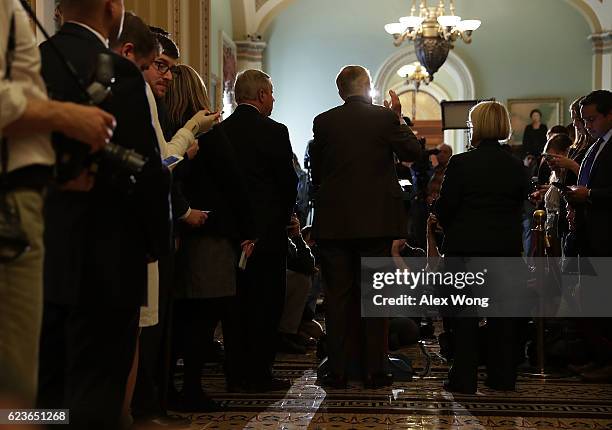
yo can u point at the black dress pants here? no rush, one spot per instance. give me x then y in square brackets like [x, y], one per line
[501, 346]
[196, 320]
[261, 294]
[85, 358]
[356, 345]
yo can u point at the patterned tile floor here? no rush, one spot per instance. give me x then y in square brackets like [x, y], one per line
[418, 404]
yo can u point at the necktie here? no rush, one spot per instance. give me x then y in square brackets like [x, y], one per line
[587, 164]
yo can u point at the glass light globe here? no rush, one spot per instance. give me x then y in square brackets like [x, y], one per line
[406, 70]
[449, 20]
[412, 21]
[468, 25]
[395, 28]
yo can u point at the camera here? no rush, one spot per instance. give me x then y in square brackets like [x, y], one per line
[72, 156]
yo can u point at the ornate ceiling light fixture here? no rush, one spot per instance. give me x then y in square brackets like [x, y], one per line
[433, 31]
[416, 75]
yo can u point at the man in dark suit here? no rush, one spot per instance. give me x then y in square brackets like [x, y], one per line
[266, 158]
[101, 231]
[591, 201]
[358, 213]
[593, 195]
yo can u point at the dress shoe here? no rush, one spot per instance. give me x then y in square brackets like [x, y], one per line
[235, 386]
[333, 381]
[311, 329]
[377, 380]
[288, 345]
[214, 352]
[601, 374]
[499, 386]
[272, 384]
[452, 388]
[582, 368]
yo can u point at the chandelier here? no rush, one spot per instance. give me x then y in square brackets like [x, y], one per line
[433, 31]
[416, 75]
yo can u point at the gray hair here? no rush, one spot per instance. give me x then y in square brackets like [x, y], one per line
[353, 81]
[248, 84]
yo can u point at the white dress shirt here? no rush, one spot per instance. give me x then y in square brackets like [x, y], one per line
[180, 141]
[26, 84]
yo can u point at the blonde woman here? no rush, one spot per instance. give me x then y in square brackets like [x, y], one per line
[208, 256]
[480, 209]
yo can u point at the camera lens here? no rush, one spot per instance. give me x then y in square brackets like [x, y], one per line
[127, 159]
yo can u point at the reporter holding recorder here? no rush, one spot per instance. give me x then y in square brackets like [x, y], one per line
[208, 256]
[27, 118]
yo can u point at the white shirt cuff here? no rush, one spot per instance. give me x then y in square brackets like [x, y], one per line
[186, 214]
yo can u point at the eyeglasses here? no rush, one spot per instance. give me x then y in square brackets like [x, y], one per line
[589, 119]
[162, 67]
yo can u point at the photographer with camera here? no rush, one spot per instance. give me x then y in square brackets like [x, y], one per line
[100, 240]
[426, 179]
[27, 118]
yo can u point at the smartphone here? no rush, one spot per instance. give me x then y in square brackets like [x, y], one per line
[561, 187]
[172, 161]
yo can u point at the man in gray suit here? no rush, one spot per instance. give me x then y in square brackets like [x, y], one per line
[358, 213]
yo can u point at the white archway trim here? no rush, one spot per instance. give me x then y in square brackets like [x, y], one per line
[594, 14]
[454, 65]
[434, 90]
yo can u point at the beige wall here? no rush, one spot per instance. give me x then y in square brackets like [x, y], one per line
[187, 20]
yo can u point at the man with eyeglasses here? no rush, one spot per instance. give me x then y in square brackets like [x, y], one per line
[150, 400]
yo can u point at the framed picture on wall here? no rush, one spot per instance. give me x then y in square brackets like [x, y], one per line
[519, 109]
[213, 93]
[227, 72]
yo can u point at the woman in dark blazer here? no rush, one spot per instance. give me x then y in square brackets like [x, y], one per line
[479, 208]
[207, 258]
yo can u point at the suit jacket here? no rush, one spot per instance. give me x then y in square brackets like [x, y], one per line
[97, 242]
[593, 226]
[481, 202]
[264, 155]
[352, 157]
[214, 182]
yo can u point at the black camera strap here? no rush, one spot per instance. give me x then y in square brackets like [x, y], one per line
[10, 56]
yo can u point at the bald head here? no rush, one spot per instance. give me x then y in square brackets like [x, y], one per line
[446, 152]
[353, 81]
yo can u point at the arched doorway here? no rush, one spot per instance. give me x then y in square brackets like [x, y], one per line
[460, 78]
[426, 115]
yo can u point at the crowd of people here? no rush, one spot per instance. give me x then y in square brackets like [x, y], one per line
[133, 221]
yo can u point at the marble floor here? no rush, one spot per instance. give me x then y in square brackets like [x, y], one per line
[421, 403]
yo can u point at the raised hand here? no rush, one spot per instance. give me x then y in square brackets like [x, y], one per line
[395, 105]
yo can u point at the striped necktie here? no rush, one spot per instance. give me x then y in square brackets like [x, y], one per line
[587, 164]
